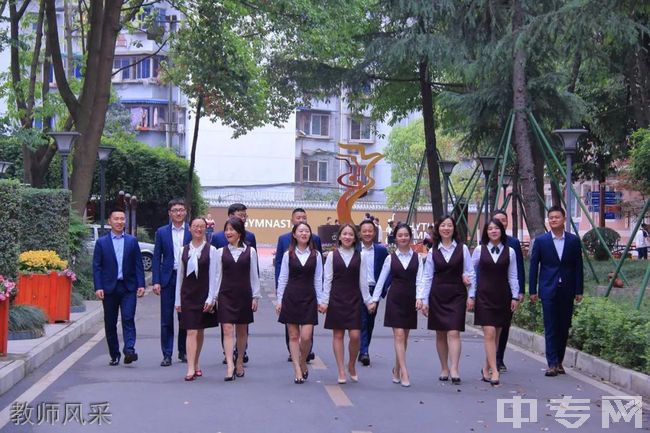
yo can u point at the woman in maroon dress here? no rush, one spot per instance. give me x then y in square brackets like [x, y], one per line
[195, 293]
[443, 295]
[299, 284]
[496, 293]
[238, 289]
[345, 287]
[405, 269]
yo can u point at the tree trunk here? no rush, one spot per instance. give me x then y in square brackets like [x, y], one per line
[523, 144]
[190, 174]
[430, 141]
[601, 206]
[89, 111]
[639, 81]
[556, 195]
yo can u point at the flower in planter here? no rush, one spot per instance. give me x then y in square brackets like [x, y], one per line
[8, 289]
[69, 273]
[40, 261]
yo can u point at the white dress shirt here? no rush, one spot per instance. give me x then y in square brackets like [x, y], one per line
[405, 259]
[303, 256]
[369, 253]
[558, 242]
[212, 279]
[236, 252]
[346, 255]
[429, 269]
[512, 268]
[178, 236]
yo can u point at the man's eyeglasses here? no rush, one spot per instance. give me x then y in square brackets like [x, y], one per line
[181, 210]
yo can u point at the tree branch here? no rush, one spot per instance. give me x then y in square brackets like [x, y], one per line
[148, 56]
[61, 81]
[35, 58]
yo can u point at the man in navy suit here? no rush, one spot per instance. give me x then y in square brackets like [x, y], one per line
[298, 215]
[170, 240]
[118, 275]
[375, 255]
[521, 276]
[557, 260]
[236, 210]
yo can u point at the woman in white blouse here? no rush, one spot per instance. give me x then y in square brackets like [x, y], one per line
[195, 293]
[345, 287]
[496, 294]
[442, 296]
[299, 285]
[238, 291]
[405, 268]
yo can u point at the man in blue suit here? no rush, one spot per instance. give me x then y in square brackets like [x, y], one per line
[236, 210]
[298, 215]
[557, 260]
[170, 240]
[118, 275]
[521, 276]
[375, 255]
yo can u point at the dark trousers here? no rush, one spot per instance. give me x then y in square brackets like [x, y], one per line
[167, 309]
[557, 313]
[286, 340]
[367, 326]
[119, 302]
[643, 253]
[503, 341]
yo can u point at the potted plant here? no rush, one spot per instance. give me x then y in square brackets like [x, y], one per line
[45, 281]
[7, 292]
[26, 322]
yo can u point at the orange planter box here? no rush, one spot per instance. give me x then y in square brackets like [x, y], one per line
[4, 326]
[50, 292]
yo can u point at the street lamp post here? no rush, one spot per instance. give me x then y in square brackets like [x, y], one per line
[103, 152]
[64, 140]
[569, 139]
[4, 166]
[488, 163]
[447, 167]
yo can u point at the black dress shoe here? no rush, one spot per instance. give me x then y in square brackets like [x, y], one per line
[560, 369]
[551, 372]
[182, 358]
[245, 358]
[289, 359]
[130, 357]
[114, 361]
[502, 367]
[311, 356]
[364, 359]
[166, 362]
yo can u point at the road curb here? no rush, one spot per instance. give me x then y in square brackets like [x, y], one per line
[19, 366]
[631, 381]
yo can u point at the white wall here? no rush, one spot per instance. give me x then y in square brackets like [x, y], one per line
[265, 155]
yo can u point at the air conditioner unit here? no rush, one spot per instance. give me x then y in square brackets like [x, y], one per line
[180, 128]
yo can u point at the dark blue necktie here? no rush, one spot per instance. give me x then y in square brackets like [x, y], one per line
[495, 250]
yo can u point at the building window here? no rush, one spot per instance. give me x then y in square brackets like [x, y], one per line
[360, 130]
[314, 171]
[148, 117]
[315, 124]
[120, 63]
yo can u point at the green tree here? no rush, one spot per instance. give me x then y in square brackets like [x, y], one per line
[640, 161]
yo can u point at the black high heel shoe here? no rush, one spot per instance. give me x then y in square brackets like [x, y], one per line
[483, 378]
[230, 378]
[305, 374]
[494, 382]
[455, 380]
[238, 374]
[298, 380]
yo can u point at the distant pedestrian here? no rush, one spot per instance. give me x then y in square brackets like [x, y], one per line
[380, 232]
[390, 237]
[345, 289]
[118, 275]
[300, 283]
[209, 231]
[405, 269]
[238, 292]
[196, 293]
[641, 240]
[495, 295]
[556, 259]
[448, 272]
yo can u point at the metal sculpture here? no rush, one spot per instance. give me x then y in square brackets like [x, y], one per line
[351, 180]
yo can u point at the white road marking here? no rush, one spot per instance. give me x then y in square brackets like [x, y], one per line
[36, 389]
[338, 396]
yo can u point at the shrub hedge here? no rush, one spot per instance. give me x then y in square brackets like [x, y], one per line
[600, 327]
[9, 221]
[593, 245]
[45, 220]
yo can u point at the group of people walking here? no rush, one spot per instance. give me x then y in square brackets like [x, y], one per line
[217, 282]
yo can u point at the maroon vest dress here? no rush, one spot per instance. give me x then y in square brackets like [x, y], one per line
[400, 301]
[194, 291]
[344, 309]
[493, 293]
[299, 304]
[234, 303]
[448, 296]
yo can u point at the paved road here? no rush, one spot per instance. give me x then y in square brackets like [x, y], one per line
[145, 397]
